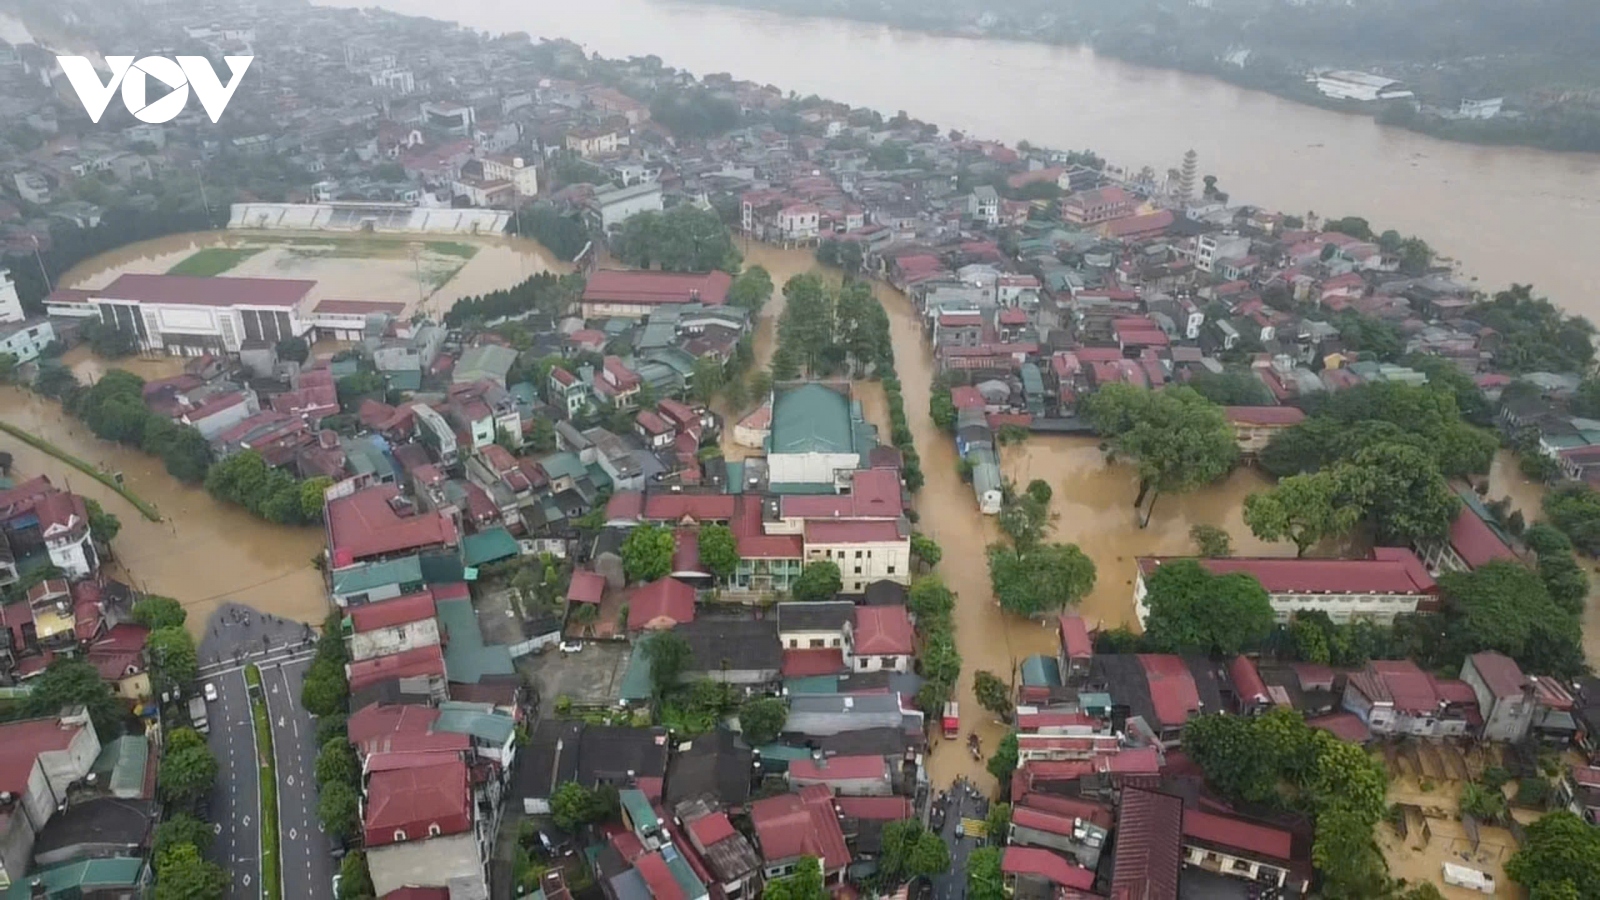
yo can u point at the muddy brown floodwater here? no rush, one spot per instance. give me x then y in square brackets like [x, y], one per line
[203, 552]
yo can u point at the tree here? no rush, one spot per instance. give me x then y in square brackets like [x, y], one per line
[339, 810]
[1046, 579]
[1232, 388]
[103, 525]
[707, 379]
[1565, 581]
[155, 612]
[1194, 611]
[72, 681]
[1178, 439]
[930, 600]
[1561, 848]
[910, 850]
[718, 550]
[1344, 852]
[355, 879]
[647, 552]
[751, 289]
[573, 805]
[1039, 491]
[352, 389]
[1504, 606]
[761, 719]
[1405, 496]
[181, 828]
[669, 655]
[325, 690]
[1025, 520]
[1354, 226]
[819, 580]
[992, 693]
[804, 883]
[1210, 541]
[312, 492]
[1575, 512]
[173, 656]
[925, 549]
[997, 823]
[942, 409]
[984, 878]
[336, 761]
[183, 874]
[1304, 509]
[806, 328]
[1482, 802]
[684, 238]
[188, 770]
[1004, 760]
[294, 349]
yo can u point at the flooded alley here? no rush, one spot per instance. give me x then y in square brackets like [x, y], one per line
[203, 553]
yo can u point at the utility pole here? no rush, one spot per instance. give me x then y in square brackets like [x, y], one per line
[48, 287]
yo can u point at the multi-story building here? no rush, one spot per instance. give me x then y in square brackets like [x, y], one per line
[10, 304]
[593, 141]
[1255, 426]
[521, 173]
[39, 759]
[64, 525]
[25, 340]
[1096, 206]
[609, 209]
[1506, 698]
[193, 316]
[1392, 582]
[1395, 696]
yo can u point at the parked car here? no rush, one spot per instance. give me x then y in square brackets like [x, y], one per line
[571, 646]
[211, 692]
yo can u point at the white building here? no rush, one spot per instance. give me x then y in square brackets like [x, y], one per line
[523, 175]
[25, 340]
[1360, 86]
[1394, 581]
[799, 222]
[1481, 109]
[185, 315]
[1211, 249]
[864, 551]
[610, 209]
[64, 525]
[985, 204]
[10, 303]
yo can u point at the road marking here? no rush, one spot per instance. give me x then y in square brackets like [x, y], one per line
[294, 835]
[247, 879]
[217, 827]
[246, 822]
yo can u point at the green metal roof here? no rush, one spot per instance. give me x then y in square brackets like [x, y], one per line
[601, 478]
[636, 687]
[354, 580]
[466, 657]
[488, 361]
[812, 419]
[681, 873]
[78, 878]
[122, 764]
[783, 752]
[441, 568]
[1041, 670]
[403, 380]
[558, 465]
[488, 546]
[813, 684]
[480, 720]
[637, 807]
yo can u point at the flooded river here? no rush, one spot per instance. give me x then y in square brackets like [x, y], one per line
[1510, 214]
[203, 553]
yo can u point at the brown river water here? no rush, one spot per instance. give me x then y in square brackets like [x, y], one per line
[1508, 214]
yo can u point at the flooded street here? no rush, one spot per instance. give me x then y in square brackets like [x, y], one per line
[203, 553]
[428, 275]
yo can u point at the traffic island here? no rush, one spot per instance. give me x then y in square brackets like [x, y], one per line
[261, 724]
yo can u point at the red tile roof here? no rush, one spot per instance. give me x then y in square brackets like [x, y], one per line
[874, 809]
[883, 631]
[1075, 637]
[807, 662]
[389, 613]
[413, 663]
[625, 505]
[1172, 688]
[686, 551]
[586, 587]
[1344, 726]
[365, 525]
[20, 746]
[1149, 850]
[1230, 833]
[670, 507]
[418, 893]
[839, 768]
[1247, 681]
[416, 800]
[803, 824]
[709, 830]
[1040, 863]
[869, 532]
[660, 604]
[1264, 415]
[1397, 681]
[874, 494]
[620, 286]
[1071, 807]
[754, 542]
[61, 510]
[1475, 541]
[379, 719]
[1402, 573]
[657, 877]
[203, 291]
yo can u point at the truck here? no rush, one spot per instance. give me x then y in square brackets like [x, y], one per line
[1472, 879]
[197, 714]
[952, 719]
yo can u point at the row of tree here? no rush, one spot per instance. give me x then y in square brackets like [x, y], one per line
[270, 492]
[824, 332]
[545, 293]
[114, 410]
[933, 605]
[561, 234]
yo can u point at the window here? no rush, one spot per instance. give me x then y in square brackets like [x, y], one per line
[794, 643]
[434, 830]
[818, 643]
[891, 568]
[399, 836]
[858, 554]
[834, 642]
[858, 570]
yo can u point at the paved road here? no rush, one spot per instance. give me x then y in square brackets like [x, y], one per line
[235, 803]
[308, 867]
[961, 801]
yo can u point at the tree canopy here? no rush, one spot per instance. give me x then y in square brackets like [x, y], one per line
[1194, 611]
[684, 238]
[985, 881]
[574, 805]
[1044, 579]
[1505, 606]
[1562, 854]
[761, 719]
[72, 681]
[1304, 509]
[183, 874]
[669, 655]
[804, 883]
[718, 550]
[1178, 439]
[910, 851]
[647, 552]
[819, 580]
[188, 769]
[154, 612]
[1535, 335]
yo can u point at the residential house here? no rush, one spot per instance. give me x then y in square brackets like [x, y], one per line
[849, 776]
[1398, 697]
[1255, 426]
[39, 760]
[1505, 696]
[791, 826]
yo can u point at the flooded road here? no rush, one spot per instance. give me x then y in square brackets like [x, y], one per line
[203, 553]
[428, 275]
